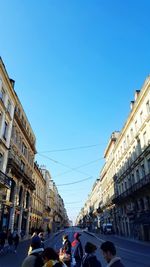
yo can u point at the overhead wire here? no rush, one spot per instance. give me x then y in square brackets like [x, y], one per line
[60, 163]
[69, 149]
[78, 167]
[75, 182]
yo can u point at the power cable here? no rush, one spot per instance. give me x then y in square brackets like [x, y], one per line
[76, 182]
[68, 149]
[67, 203]
[78, 167]
[62, 164]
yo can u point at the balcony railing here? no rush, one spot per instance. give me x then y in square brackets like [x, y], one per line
[145, 181]
[5, 181]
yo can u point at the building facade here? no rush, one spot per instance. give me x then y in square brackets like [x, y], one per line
[132, 161]
[38, 199]
[7, 106]
[125, 177]
[20, 168]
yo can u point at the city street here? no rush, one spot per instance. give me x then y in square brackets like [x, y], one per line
[133, 254]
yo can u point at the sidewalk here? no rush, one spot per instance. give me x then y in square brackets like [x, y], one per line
[112, 237]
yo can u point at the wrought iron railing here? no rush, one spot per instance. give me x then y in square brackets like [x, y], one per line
[5, 180]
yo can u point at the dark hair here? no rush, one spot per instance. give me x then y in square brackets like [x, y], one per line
[65, 237]
[90, 248]
[108, 246]
[35, 242]
[50, 253]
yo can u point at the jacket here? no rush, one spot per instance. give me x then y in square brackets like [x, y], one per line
[77, 250]
[115, 262]
[67, 247]
[30, 260]
[90, 260]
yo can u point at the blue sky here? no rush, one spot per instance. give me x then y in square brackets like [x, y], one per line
[76, 64]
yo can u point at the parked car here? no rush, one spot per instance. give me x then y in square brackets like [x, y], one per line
[107, 228]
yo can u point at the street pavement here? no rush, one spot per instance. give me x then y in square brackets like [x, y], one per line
[133, 254]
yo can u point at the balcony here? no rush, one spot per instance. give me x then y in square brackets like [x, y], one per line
[14, 165]
[134, 189]
[23, 128]
[5, 181]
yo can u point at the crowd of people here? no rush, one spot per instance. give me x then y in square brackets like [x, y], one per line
[69, 254]
[12, 240]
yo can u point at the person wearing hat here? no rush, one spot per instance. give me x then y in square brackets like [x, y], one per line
[90, 259]
[77, 249]
[34, 259]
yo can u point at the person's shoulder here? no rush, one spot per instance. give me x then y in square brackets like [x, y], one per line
[94, 261]
[117, 264]
[29, 261]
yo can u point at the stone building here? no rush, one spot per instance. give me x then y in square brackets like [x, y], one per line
[7, 106]
[125, 176]
[132, 162]
[20, 168]
[107, 182]
[38, 199]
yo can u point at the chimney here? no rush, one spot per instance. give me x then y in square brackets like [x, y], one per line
[12, 83]
[136, 94]
[131, 104]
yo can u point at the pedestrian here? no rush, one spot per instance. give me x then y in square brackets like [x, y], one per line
[10, 240]
[65, 251]
[2, 240]
[34, 259]
[33, 238]
[15, 240]
[77, 249]
[41, 236]
[51, 258]
[109, 253]
[90, 259]
[48, 231]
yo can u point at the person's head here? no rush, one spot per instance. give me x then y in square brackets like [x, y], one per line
[41, 235]
[108, 250]
[77, 235]
[65, 238]
[50, 254]
[35, 242]
[90, 248]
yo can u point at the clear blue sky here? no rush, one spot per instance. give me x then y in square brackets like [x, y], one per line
[76, 64]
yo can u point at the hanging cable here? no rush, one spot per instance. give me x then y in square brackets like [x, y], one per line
[69, 149]
[78, 167]
[76, 182]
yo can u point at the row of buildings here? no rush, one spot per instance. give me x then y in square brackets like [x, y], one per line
[28, 196]
[121, 195]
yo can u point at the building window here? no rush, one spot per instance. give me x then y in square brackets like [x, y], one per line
[5, 132]
[133, 180]
[145, 139]
[137, 175]
[124, 143]
[2, 95]
[148, 107]
[136, 126]
[9, 106]
[128, 141]
[129, 182]
[24, 149]
[1, 160]
[131, 132]
[143, 170]
[22, 166]
[148, 162]
[141, 117]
